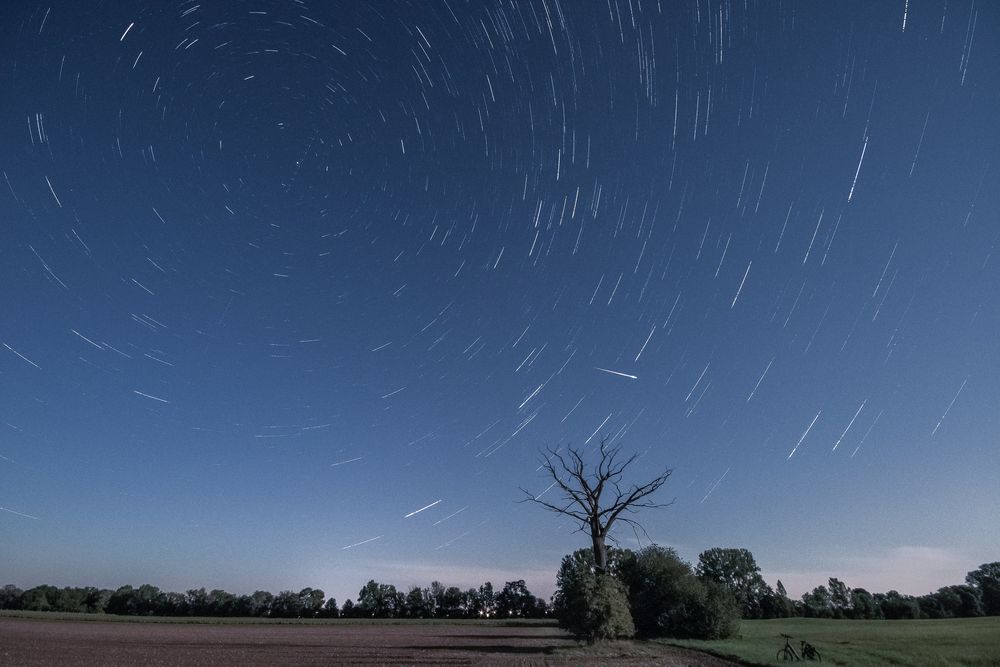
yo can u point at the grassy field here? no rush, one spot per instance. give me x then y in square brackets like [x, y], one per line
[973, 642]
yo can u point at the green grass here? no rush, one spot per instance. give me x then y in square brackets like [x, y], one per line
[235, 620]
[973, 642]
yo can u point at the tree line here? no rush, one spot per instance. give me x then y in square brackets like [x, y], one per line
[737, 570]
[375, 600]
[654, 593]
[724, 583]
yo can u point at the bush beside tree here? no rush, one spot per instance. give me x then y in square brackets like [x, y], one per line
[668, 600]
[591, 605]
[653, 593]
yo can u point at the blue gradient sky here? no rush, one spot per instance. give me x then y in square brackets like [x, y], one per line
[276, 275]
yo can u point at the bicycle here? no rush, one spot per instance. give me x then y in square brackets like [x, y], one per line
[787, 653]
[809, 651]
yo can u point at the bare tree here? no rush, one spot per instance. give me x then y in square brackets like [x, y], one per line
[596, 498]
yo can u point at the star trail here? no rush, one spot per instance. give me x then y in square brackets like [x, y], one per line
[276, 274]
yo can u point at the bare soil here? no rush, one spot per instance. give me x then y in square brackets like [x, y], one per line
[52, 642]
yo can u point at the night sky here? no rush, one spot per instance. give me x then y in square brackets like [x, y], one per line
[294, 292]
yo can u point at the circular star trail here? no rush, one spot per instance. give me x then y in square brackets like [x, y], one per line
[294, 292]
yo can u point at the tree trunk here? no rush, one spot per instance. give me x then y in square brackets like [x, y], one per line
[600, 553]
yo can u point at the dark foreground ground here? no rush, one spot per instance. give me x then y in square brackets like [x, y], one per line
[53, 642]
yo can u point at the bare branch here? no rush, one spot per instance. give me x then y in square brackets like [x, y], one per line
[570, 492]
[634, 499]
[636, 527]
[583, 490]
[579, 516]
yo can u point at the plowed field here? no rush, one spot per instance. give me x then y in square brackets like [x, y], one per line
[52, 642]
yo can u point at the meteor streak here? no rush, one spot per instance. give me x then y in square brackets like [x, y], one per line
[624, 375]
[425, 507]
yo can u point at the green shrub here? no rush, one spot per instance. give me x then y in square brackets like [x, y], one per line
[717, 614]
[608, 613]
[590, 605]
[668, 600]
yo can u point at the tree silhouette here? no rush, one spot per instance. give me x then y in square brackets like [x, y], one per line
[595, 497]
